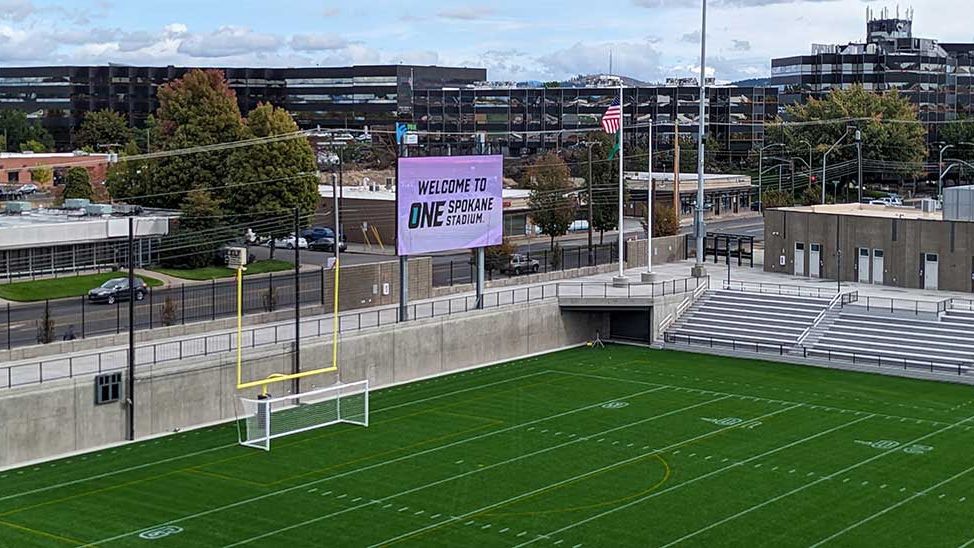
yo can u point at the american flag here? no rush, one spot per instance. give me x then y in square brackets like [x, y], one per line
[612, 119]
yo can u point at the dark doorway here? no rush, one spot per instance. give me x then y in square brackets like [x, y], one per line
[631, 325]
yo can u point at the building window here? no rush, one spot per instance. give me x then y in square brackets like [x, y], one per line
[108, 388]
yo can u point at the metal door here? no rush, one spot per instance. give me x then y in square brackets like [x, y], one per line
[879, 265]
[931, 270]
[862, 267]
[814, 261]
[799, 258]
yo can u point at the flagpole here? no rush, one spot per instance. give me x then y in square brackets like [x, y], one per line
[649, 276]
[621, 278]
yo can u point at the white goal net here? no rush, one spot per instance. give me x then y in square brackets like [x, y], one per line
[269, 418]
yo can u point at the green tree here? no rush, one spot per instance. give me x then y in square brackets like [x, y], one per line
[19, 129]
[78, 184]
[605, 185]
[100, 128]
[778, 198]
[198, 109]
[665, 222]
[959, 133]
[129, 179]
[198, 232]
[551, 203]
[42, 175]
[33, 145]
[273, 177]
[902, 144]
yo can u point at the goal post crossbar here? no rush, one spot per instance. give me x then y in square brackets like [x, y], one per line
[266, 419]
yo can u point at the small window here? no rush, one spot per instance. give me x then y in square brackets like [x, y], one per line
[863, 252]
[931, 257]
[108, 388]
[878, 253]
[799, 246]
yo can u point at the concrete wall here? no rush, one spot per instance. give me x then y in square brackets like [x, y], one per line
[902, 241]
[54, 418]
[666, 249]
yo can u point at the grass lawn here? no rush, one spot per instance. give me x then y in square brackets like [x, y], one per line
[617, 447]
[59, 288]
[217, 272]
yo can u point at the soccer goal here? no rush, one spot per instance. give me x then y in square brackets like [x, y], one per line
[269, 418]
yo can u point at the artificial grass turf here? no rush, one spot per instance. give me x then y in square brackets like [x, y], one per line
[219, 272]
[623, 446]
[59, 288]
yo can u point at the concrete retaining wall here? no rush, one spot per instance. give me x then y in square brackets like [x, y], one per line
[42, 421]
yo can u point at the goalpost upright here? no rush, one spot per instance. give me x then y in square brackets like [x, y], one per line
[269, 417]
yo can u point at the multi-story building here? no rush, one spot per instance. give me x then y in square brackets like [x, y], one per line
[936, 77]
[332, 97]
[521, 120]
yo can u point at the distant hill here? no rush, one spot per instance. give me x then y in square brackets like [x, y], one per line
[755, 82]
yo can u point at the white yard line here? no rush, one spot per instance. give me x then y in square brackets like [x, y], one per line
[384, 463]
[229, 445]
[696, 479]
[756, 398]
[892, 507]
[472, 472]
[816, 482]
[576, 478]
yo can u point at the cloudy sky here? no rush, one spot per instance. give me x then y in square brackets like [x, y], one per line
[513, 39]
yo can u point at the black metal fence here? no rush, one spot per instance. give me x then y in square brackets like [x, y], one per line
[78, 318]
[463, 271]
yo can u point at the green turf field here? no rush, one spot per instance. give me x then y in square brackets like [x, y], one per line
[616, 447]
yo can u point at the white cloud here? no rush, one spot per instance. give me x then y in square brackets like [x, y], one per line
[228, 41]
[718, 3]
[16, 10]
[635, 59]
[466, 13]
[740, 45]
[318, 42]
[691, 37]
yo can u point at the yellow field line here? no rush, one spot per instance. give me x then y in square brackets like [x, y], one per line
[86, 493]
[71, 541]
[221, 476]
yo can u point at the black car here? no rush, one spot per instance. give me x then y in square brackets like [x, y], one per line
[117, 289]
[321, 238]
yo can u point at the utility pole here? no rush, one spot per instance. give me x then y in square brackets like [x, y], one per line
[591, 197]
[698, 270]
[130, 396]
[676, 164]
[859, 154]
[649, 276]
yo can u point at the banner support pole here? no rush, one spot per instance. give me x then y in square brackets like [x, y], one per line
[402, 152]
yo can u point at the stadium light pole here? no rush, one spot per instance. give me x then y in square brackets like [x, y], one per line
[698, 270]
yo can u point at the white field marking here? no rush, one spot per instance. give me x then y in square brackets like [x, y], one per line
[757, 398]
[380, 464]
[499, 464]
[816, 482]
[891, 508]
[696, 479]
[966, 544]
[573, 479]
[229, 445]
[504, 530]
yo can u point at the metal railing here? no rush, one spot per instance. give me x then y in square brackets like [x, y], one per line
[653, 289]
[54, 368]
[952, 367]
[840, 299]
[779, 289]
[909, 306]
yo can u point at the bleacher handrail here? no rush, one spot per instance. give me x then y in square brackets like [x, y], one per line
[777, 289]
[837, 300]
[684, 305]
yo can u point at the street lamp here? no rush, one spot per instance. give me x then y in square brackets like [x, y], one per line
[761, 173]
[940, 165]
[826, 156]
[956, 163]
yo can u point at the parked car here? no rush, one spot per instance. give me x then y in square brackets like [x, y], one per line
[117, 289]
[521, 264]
[289, 242]
[29, 188]
[580, 225]
[327, 243]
